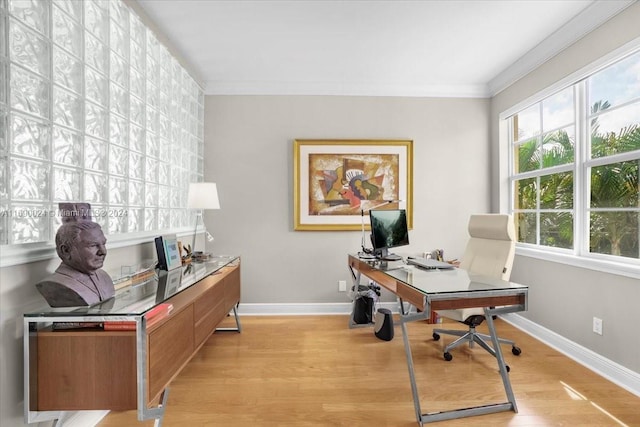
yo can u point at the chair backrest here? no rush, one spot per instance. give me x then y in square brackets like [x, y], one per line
[491, 246]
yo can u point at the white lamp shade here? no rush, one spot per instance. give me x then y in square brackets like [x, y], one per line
[203, 195]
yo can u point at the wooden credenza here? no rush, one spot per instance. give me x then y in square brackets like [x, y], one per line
[92, 368]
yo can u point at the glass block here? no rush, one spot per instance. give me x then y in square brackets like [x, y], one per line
[28, 48]
[95, 187]
[119, 40]
[153, 45]
[164, 219]
[34, 13]
[4, 142]
[117, 224]
[29, 224]
[136, 29]
[137, 56]
[119, 70]
[151, 145]
[164, 104]
[136, 110]
[96, 19]
[67, 33]
[66, 184]
[30, 137]
[174, 199]
[151, 70]
[136, 165]
[101, 214]
[136, 138]
[135, 220]
[119, 100]
[67, 108]
[96, 53]
[118, 160]
[4, 179]
[67, 70]
[29, 180]
[96, 87]
[117, 191]
[3, 77]
[136, 193]
[4, 221]
[29, 92]
[151, 170]
[152, 119]
[67, 146]
[164, 196]
[163, 173]
[176, 134]
[119, 131]
[96, 121]
[136, 83]
[152, 94]
[150, 219]
[164, 148]
[119, 13]
[95, 154]
[71, 7]
[151, 194]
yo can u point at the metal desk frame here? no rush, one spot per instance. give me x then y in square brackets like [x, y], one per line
[505, 300]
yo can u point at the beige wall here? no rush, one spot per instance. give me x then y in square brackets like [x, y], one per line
[248, 152]
[565, 299]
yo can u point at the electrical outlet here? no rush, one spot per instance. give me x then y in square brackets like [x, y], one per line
[342, 285]
[597, 326]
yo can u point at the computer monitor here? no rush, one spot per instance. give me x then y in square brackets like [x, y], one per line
[388, 230]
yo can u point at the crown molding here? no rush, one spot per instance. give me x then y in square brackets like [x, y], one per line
[589, 19]
[345, 89]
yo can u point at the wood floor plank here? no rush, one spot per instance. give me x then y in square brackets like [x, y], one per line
[315, 371]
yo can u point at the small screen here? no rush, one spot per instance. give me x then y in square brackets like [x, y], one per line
[388, 230]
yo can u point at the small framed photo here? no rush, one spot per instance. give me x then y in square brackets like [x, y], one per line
[168, 253]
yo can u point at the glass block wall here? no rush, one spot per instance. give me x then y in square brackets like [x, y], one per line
[92, 109]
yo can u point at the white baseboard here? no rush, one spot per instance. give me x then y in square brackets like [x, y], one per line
[614, 372]
[289, 309]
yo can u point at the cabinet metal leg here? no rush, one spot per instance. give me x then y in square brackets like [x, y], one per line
[238, 327]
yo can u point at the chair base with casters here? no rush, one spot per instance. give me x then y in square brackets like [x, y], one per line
[471, 336]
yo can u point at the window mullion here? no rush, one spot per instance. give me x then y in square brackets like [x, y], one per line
[580, 180]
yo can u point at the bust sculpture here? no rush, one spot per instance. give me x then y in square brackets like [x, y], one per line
[79, 279]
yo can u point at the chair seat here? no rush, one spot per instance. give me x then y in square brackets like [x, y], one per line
[461, 314]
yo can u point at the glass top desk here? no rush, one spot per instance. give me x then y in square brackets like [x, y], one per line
[430, 290]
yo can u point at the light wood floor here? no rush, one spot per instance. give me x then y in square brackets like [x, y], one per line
[314, 371]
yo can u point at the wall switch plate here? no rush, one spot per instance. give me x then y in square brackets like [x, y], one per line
[597, 326]
[342, 285]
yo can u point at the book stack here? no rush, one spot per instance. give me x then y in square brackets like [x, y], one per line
[152, 317]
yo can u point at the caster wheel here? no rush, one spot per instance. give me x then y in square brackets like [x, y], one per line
[508, 368]
[447, 356]
[436, 336]
[516, 350]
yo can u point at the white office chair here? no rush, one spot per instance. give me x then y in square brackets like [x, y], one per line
[489, 252]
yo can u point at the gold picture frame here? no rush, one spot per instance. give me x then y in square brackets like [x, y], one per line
[336, 181]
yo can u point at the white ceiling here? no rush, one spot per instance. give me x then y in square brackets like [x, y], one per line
[401, 48]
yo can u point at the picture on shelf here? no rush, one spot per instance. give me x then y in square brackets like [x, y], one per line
[168, 253]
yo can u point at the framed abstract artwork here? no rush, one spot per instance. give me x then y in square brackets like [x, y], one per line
[337, 182]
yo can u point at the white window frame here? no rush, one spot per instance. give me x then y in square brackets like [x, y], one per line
[579, 256]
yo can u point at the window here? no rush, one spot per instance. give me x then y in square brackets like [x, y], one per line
[94, 109]
[574, 166]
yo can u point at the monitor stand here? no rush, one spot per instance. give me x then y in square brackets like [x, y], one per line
[384, 255]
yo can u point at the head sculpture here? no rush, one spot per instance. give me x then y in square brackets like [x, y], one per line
[80, 244]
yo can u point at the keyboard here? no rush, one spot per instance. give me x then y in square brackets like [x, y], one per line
[428, 264]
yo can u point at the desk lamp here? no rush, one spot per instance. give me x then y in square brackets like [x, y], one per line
[362, 211]
[202, 195]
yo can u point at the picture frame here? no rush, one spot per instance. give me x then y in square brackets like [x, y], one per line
[168, 253]
[337, 181]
